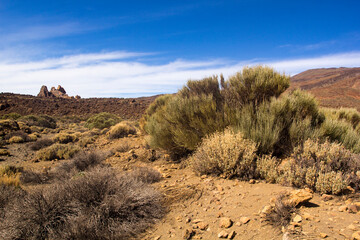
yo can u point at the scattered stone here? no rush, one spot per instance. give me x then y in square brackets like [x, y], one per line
[300, 196]
[231, 235]
[189, 233]
[297, 219]
[225, 222]
[343, 208]
[202, 226]
[307, 216]
[252, 181]
[323, 235]
[238, 224]
[157, 238]
[197, 220]
[187, 220]
[352, 208]
[244, 220]
[356, 236]
[352, 227]
[223, 234]
[326, 197]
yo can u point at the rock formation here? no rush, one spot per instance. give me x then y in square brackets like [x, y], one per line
[58, 92]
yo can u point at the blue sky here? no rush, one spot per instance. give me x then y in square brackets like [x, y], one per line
[134, 48]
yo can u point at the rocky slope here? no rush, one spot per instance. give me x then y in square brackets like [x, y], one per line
[333, 87]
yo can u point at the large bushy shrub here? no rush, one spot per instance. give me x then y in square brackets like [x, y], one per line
[102, 120]
[254, 85]
[177, 123]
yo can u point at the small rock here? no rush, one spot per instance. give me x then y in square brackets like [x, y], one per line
[225, 222]
[252, 181]
[356, 236]
[326, 197]
[244, 220]
[343, 208]
[323, 235]
[352, 208]
[297, 218]
[352, 227]
[202, 225]
[300, 196]
[189, 233]
[157, 238]
[231, 235]
[223, 234]
[238, 224]
[197, 220]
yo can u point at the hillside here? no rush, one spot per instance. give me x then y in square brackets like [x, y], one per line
[333, 87]
[129, 108]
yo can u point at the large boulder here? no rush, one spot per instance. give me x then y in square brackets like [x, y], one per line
[44, 92]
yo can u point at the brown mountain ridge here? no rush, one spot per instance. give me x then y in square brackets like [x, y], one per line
[333, 87]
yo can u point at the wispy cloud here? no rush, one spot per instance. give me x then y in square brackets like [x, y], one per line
[40, 32]
[121, 73]
[308, 47]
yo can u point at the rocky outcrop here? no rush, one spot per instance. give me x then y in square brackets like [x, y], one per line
[44, 92]
[58, 92]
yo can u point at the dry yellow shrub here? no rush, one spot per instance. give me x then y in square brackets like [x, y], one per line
[226, 154]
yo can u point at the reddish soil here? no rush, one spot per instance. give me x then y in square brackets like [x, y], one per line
[333, 87]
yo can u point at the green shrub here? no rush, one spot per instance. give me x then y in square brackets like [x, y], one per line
[39, 120]
[13, 116]
[342, 132]
[324, 167]
[281, 124]
[102, 120]
[181, 123]
[254, 85]
[57, 151]
[121, 129]
[226, 154]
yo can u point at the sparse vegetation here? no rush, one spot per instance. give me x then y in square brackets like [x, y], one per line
[65, 138]
[39, 120]
[121, 207]
[57, 151]
[102, 120]
[41, 143]
[121, 129]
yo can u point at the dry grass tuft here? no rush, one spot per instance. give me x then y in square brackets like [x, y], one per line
[122, 129]
[281, 213]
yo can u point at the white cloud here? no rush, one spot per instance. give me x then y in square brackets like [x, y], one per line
[120, 73]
